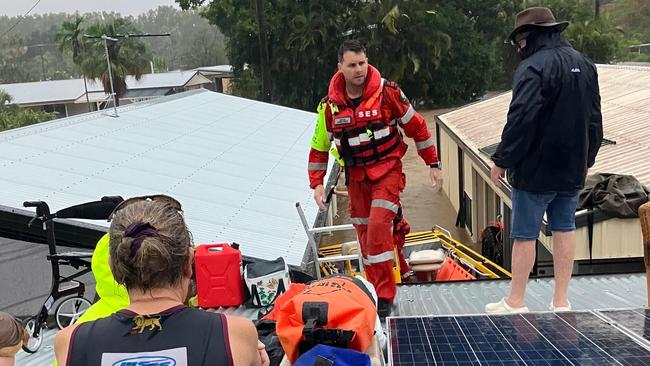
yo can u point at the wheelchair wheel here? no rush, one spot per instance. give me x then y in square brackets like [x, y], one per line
[70, 310]
[34, 343]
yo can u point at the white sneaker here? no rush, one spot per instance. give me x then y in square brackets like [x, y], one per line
[502, 307]
[559, 308]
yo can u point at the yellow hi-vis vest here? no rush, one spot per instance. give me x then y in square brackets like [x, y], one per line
[112, 296]
[321, 140]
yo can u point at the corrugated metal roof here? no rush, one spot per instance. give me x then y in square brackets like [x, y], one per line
[238, 166]
[625, 106]
[43, 92]
[165, 79]
[43, 357]
[585, 293]
[141, 93]
[224, 69]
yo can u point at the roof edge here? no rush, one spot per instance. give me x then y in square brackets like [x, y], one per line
[624, 67]
[78, 118]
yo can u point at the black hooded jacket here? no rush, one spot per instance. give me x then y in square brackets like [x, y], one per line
[554, 127]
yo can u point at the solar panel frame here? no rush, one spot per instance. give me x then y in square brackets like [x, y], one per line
[491, 340]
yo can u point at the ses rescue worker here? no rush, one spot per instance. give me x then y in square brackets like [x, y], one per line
[361, 114]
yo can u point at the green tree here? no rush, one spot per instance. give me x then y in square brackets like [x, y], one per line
[633, 16]
[493, 21]
[12, 116]
[12, 54]
[70, 38]
[302, 41]
[416, 48]
[468, 67]
[410, 42]
[193, 42]
[159, 64]
[128, 56]
[246, 85]
[596, 37]
[30, 52]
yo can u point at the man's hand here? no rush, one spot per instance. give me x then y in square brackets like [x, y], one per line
[319, 197]
[436, 179]
[496, 173]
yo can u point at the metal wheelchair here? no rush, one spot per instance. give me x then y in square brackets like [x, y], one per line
[64, 287]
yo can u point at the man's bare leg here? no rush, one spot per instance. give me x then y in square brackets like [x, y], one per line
[564, 250]
[523, 260]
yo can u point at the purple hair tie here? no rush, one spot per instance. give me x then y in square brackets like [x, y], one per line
[139, 231]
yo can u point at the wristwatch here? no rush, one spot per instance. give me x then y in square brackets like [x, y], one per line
[435, 165]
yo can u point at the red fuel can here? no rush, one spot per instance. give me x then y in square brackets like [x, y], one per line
[218, 275]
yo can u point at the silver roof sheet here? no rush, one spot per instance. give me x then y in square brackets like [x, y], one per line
[216, 68]
[164, 79]
[585, 293]
[45, 91]
[238, 166]
[43, 357]
[52, 91]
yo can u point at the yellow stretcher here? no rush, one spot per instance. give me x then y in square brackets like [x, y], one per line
[468, 260]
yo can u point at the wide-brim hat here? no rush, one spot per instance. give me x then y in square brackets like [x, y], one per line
[536, 18]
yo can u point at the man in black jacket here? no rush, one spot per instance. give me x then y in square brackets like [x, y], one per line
[551, 138]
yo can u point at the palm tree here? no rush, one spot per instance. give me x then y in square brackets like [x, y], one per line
[128, 56]
[70, 39]
[412, 42]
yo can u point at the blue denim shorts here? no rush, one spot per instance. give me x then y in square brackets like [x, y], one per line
[528, 210]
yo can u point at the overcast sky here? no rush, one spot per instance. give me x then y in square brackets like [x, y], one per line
[125, 7]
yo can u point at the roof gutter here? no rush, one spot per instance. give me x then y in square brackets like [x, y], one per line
[69, 233]
[506, 189]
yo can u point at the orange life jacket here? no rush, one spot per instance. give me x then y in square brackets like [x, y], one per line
[362, 135]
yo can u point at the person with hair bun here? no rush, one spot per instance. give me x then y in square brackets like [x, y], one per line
[12, 337]
[151, 254]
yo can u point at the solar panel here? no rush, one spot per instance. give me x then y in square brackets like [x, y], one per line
[515, 335]
[636, 321]
[574, 338]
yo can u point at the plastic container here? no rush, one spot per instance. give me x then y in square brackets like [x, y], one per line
[218, 275]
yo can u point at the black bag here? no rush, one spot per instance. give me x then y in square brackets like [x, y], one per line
[268, 336]
[266, 280]
[492, 243]
[617, 195]
[614, 194]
